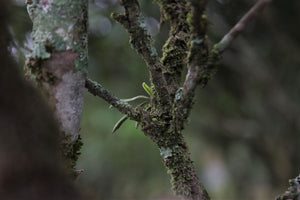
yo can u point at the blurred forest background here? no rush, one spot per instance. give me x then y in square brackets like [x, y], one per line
[244, 130]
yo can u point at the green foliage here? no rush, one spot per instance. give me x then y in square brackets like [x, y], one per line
[147, 89]
[119, 123]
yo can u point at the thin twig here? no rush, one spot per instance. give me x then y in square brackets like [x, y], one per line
[215, 55]
[205, 73]
[124, 107]
[242, 24]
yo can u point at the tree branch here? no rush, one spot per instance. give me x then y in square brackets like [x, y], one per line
[141, 41]
[293, 192]
[198, 58]
[176, 47]
[203, 74]
[124, 107]
[184, 98]
[198, 46]
[215, 55]
[242, 24]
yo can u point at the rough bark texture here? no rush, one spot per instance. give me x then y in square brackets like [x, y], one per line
[58, 62]
[176, 47]
[30, 165]
[293, 192]
[165, 116]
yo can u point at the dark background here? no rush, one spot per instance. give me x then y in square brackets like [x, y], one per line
[244, 129]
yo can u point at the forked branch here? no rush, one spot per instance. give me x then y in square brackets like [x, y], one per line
[164, 119]
[196, 77]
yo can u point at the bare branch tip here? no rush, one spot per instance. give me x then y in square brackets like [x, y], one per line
[242, 24]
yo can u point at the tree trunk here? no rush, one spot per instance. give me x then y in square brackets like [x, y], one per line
[180, 167]
[58, 63]
[30, 167]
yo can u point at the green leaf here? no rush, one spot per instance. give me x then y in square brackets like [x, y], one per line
[119, 123]
[147, 89]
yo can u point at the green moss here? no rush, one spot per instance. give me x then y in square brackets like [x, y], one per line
[210, 70]
[163, 124]
[189, 18]
[169, 10]
[175, 48]
[215, 55]
[70, 152]
[180, 168]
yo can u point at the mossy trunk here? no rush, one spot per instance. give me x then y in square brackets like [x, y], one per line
[167, 135]
[184, 179]
[58, 63]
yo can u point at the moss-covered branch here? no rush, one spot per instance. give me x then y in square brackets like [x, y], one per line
[214, 58]
[197, 60]
[185, 182]
[175, 155]
[293, 192]
[162, 123]
[141, 41]
[170, 104]
[122, 106]
[175, 49]
[203, 65]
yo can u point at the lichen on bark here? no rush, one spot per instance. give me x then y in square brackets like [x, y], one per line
[59, 25]
[163, 119]
[58, 63]
[293, 192]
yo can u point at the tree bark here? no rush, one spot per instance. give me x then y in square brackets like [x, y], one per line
[30, 165]
[293, 192]
[170, 102]
[58, 63]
